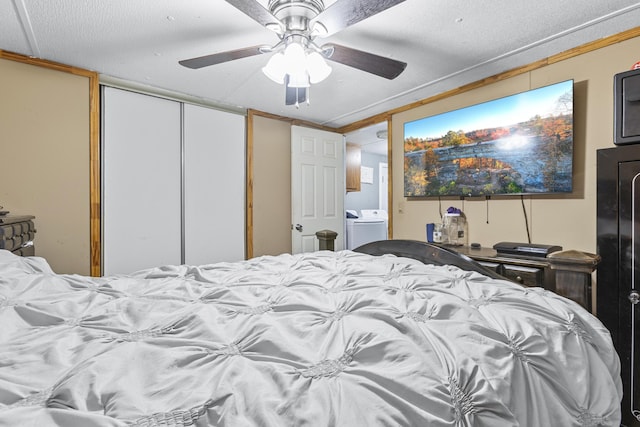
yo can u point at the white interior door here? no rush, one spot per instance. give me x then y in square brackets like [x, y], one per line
[317, 187]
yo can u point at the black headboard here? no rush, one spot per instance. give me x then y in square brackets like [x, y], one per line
[428, 253]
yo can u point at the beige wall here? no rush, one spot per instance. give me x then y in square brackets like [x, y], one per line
[271, 186]
[44, 147]
[569, 221]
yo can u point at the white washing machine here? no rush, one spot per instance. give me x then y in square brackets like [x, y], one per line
[370, 226]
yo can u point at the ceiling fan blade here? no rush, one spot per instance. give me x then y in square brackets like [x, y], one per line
[218, 58]
[374, 64]
[344, 13]
[258, 13]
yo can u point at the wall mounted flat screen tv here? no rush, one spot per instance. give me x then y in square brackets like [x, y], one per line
[516, 145]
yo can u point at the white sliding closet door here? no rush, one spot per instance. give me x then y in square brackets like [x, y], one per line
[214, 185]
[141, 181]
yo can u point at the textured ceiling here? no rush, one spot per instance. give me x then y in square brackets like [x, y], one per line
[445, 43]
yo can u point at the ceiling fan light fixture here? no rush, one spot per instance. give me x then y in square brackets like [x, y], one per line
[317, 68]
[297, 62]
[300, 79]
[276, 68]
[303, 68]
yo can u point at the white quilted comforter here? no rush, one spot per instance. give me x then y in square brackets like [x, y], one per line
[322, 339]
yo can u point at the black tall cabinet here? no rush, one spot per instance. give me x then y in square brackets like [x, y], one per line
[618, 227]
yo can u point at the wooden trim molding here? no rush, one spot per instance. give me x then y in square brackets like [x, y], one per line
[249, 189]
[47, 64]
[293, 122]
[95, 241]
[374, 120]
[95, 196]
[580, 50]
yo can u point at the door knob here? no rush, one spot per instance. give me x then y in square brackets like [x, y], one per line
[299, 227]
[634, 297]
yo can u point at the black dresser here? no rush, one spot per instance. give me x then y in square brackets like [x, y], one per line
[17, 233]
[618, 275]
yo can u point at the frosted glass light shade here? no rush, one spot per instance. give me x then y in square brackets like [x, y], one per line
[317, 67]
[275, 68]
[295, 58]
[302, 68]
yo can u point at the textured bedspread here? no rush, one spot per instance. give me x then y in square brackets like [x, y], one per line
[322, 339]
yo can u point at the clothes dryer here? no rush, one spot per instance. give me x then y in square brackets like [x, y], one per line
[370, 226]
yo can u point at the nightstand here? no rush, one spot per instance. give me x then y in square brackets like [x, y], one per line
[17, 233]
[567, 273]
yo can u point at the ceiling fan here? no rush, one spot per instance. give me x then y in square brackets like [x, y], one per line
[298, 61]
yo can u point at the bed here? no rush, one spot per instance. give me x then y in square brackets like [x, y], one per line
[396, 333]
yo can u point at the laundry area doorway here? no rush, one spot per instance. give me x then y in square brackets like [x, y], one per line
[366, 204]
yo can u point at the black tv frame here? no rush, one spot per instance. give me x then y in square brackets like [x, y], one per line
[568, 180]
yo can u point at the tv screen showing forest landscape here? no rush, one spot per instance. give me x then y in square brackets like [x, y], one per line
[520, 144]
